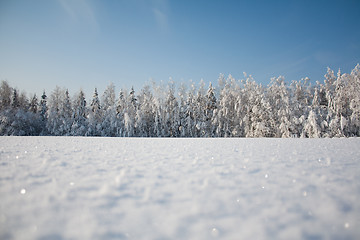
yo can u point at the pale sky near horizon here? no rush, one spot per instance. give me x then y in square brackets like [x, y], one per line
[87, 44]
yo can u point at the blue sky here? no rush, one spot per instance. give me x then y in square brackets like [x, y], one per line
[86, 44]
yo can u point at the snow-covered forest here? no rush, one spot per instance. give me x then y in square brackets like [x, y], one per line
[233, 108]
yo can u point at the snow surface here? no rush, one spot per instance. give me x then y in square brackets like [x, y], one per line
[128, 188]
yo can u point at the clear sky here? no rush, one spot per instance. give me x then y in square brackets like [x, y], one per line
[86, 44]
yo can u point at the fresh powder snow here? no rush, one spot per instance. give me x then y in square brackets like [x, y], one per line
[155, 188]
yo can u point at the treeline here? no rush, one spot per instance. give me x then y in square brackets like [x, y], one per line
[233, 109]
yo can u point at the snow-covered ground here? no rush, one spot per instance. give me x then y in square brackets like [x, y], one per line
[126, 188]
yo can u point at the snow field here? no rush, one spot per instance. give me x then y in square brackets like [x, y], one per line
[135, 188]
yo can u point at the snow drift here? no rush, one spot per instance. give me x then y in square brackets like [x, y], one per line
[126, 188]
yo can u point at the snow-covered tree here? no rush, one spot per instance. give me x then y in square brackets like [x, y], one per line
[5, 95]
[209, 112]
[79, 125]
[311, 127]
[34, 104]
[120, 111]
[260, 115]
[354, 93]
[190, 108]
[95, 116]
[15, 104]
[301, 98]
[225, 113]
[23, 101]
[145, 114]
[108, 97]
[95, 103]
[109, 122]
[54, 106]
[43, 112]
[171, 117]
[59, 113]
[66, 114]
[182, 110]
[279, 99]
[130, 114]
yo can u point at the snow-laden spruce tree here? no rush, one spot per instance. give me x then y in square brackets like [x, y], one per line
[108, 107]
[315, 105]
[145, 114]
[346, 103]
[34, 104]
[120, 111]
[54, 105]
[182, 109]
[331, 128]
[262, 121]
[79, 125]
[342, 102]
[210, 111]
[59, 113]
[354, 92]
[130, 114]
[171, 115]
[190, 120]
[199, 110]
[236, 98]
[226, 114]
[66, 114]
[5, 95]
[7, 111]
[5, 101]
[257, 120]
[242, 106]
[301, 97]
[43, 112]
[279, 100]
[15, 104]
[158, 103]
[95, 116]
[311, 127]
